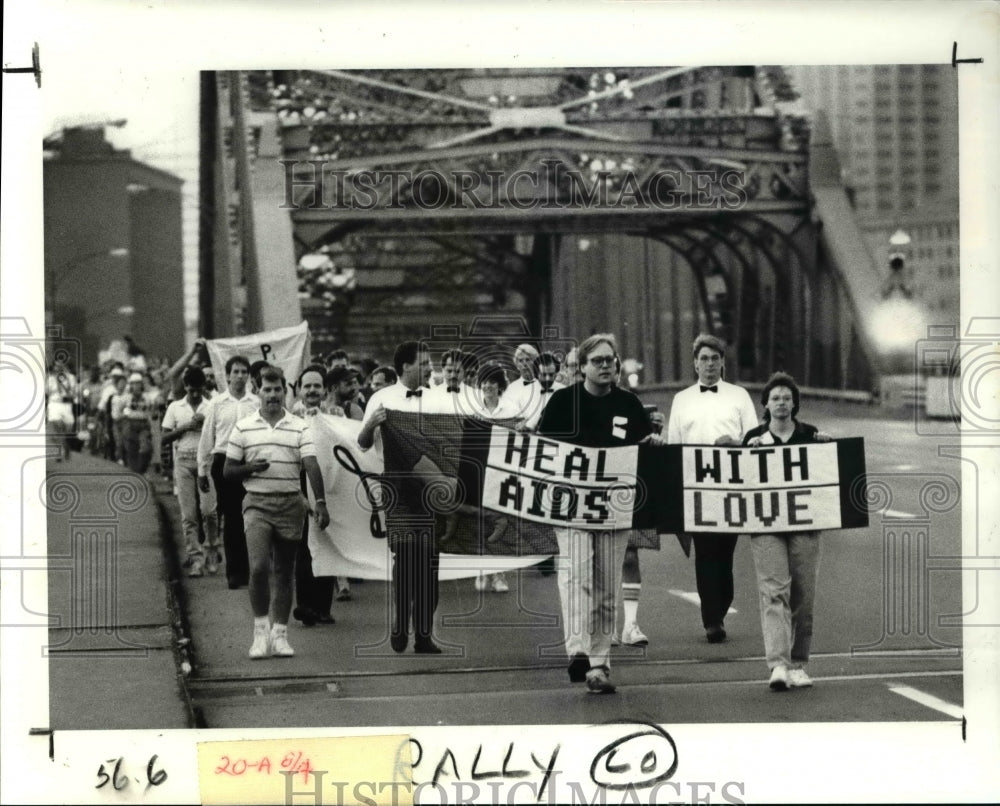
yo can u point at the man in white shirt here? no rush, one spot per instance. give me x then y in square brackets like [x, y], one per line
[546, 371]
[518, 396]
[410, 533]
[452, 396]
[712, 412]
[182, 425]
[224, 411]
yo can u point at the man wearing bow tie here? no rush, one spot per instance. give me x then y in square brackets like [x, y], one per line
[712, 412]
[410, 532]
[546, 368]
[451, 396]
[522, 391]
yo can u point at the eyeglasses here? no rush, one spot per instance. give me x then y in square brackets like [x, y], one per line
[602, 361]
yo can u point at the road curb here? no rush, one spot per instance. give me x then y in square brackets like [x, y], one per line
[183, 648]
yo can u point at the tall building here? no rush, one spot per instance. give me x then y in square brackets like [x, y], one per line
[895, 128]
[113, 246]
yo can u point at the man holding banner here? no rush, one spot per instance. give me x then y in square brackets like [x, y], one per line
[410, 533]
[596, 414]
[712, 412]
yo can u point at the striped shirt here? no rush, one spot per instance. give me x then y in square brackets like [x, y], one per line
[220, 417]
[283, 445]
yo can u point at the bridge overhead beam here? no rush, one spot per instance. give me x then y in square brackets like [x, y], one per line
[319, 227]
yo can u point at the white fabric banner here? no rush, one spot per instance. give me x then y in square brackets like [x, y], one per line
[347, 547]
[285, 347]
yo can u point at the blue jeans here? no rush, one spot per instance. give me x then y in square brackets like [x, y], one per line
[786, 565]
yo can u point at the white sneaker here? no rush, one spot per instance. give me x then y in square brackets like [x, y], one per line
[261, 646]
[480, 582]
[280, 648]
[500, 583]
[797, 678]
[779, 679]
[633, 636]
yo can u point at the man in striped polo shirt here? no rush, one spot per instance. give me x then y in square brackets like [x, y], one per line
[265, 452]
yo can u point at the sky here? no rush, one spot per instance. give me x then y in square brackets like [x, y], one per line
[161, 107]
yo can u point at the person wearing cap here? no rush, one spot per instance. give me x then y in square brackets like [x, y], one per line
[343, 386]
[136, 409]
[182, 426]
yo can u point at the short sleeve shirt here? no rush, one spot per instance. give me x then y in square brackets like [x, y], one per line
[283, 445]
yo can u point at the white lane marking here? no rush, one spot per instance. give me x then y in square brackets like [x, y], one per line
[895, 513]
[926, 699]
[904, 467]
[695, 599]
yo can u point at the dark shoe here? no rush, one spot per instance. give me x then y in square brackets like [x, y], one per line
[398, 641]
[233, 583]
[425, 646]
[599, 681]
[325, 618]
[715, 634]
[306, 615]
[578, 668]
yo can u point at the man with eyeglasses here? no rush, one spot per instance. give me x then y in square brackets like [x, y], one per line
[712, 412]
[597, 414]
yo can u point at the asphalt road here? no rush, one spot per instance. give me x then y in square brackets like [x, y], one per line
[886, 647]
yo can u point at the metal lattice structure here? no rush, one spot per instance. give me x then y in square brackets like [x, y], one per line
[453, 192]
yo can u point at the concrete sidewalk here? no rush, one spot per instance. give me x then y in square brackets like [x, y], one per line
[115, 659]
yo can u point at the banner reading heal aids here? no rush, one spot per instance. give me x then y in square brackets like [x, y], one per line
[672, 488]
[285, 347]
[354, 544]
[495, 494]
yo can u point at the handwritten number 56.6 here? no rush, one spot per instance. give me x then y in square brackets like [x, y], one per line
[119, 781]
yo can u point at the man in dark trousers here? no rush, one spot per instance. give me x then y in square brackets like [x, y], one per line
[597, 414]
[411, 531]
[712, 412]
[222, 414]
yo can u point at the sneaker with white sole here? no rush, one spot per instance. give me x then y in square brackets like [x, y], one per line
[261, 646]
[633, 636]
[779, 679]
[797, 678]
[280, 648]
[480, 581]
[500, 583]
[196, 569]
[599, 682]
[212, 561]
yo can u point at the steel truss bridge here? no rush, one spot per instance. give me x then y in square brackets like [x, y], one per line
[430, 197]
